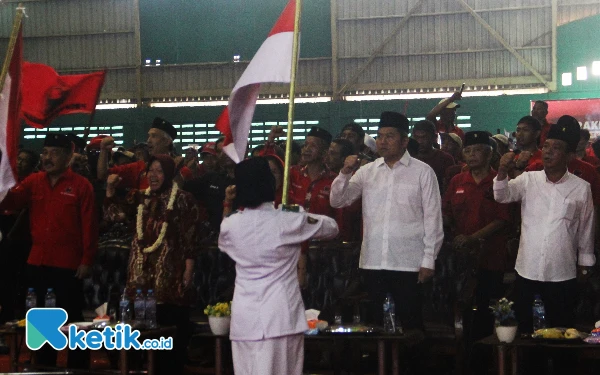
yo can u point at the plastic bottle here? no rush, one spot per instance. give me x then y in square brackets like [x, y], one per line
[539, 313]
[139, 307]
[389, 314]
[30, 300]
[50, 300]
[125, 309]
[150, 309]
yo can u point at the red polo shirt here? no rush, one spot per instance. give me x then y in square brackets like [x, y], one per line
[534, 159]
[472, 207]
[544, 133]
[581, 169]
[312, 195]
[62, 218]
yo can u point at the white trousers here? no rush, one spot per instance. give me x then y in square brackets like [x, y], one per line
[278, 356]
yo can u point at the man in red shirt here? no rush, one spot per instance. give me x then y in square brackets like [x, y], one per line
[349, 218]
[133, 175]
[446, 109]
[64, 232]
[310, 184]
[527, 134]
[354, 133]
[540, 111]
[582, 149]
[424, 133]
[479, 223]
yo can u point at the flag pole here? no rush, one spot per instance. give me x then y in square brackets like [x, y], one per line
[11, 44]
[86, 132]
[290, 133]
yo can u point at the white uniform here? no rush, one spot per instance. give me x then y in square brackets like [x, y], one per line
[267, 313]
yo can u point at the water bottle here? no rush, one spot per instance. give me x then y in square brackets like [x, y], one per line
[50, 300]
[139, 307]
[150, 309]
[389, 314]
[539, 313]
[30, 300]
[124, 309]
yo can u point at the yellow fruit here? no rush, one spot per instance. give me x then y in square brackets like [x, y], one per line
[550, 333]
[572, 333]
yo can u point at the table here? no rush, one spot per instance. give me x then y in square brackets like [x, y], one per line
[146, 334]
[13, 334]
[409, 338]
[510, 350]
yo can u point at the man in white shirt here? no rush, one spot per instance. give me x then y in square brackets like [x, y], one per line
[557, 229]
[402, 220]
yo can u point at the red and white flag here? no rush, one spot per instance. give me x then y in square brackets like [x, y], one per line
[272, 63]
[10, 126]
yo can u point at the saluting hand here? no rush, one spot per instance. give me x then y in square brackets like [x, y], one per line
[351, 164]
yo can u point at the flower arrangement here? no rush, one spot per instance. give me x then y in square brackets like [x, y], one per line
[503, 312]
[220, 309]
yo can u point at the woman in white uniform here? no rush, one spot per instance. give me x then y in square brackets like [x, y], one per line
[267, 314]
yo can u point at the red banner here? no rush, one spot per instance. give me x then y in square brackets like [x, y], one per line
[47, 95]
[586, 111]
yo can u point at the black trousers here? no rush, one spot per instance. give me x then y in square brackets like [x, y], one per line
[490, 286]
[69, 296]
[560, 301]
[172, 361]
[407, 294]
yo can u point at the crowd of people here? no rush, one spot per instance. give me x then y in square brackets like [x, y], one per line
[402, 198]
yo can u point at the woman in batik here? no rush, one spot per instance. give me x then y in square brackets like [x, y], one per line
[163, 251]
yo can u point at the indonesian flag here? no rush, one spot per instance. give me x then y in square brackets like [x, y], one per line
[272, 63]
[10, 100]
[47, 95]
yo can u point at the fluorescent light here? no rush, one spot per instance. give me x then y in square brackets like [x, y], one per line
[115, 106]
[581, 73]
[355, 98]
[567, 79]
[217, 103]
[596, 68]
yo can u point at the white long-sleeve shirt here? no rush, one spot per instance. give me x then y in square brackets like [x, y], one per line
[557, 225]
[402, 215]
[265, 245]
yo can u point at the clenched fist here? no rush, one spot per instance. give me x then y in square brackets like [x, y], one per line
[107, 143]
[351, 164]
[507, 163]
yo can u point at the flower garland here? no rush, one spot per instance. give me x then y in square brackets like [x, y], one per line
[163, 230]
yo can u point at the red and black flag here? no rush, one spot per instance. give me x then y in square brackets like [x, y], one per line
[47, 95]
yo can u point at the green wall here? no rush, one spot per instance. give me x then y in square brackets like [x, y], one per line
[193, 31]
[576, 47]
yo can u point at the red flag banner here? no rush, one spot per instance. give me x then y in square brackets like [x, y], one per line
[47, 95]
[10, 128]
